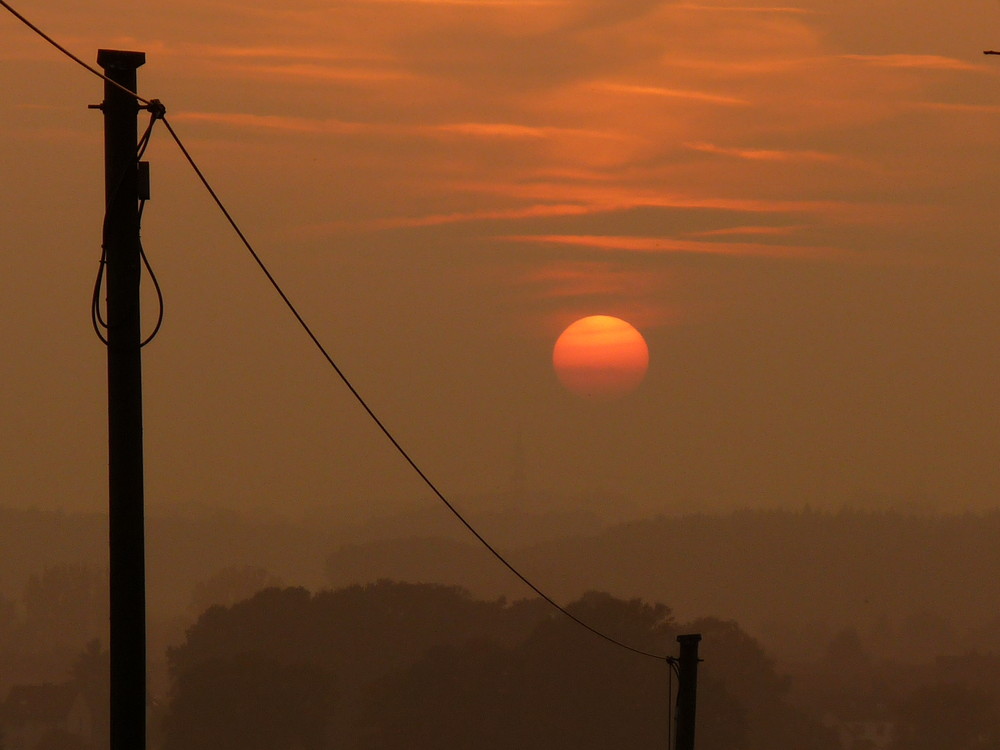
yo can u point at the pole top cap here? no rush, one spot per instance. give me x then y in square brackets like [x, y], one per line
[691, 638]
[121, 59]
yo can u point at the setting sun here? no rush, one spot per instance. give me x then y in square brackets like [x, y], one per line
[600, 357]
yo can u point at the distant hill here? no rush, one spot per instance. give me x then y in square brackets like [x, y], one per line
[182, 550]
[189, 545]
[904, 581]
[786, 575]
[33, 539]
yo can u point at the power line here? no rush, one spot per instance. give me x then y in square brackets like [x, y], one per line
[374, 417]
[69, 54]
[159, 112]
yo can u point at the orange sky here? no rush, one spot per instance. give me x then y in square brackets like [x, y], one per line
[795, 203]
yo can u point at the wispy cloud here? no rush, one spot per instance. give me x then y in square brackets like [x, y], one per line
[780, 231]
[283, 123]
[467, 3]
[708, 120]
[671, 245]
[956, 107]
[308, 71]
[762, 154]
[742, 8]
[700, 96]
[589, 278]
[514, 130]
[617, 197]
[918, 62]
[483, 130]
[333, 51]
[458, 217]
[591, 201]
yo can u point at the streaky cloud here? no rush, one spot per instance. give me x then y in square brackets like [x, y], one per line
[956, 107]
[668, 245]
[589, 278]
[443, 219]
[617, 197]
[514, 130]
[332, 51]
[776, 231]
[763, 154]
[309, 71]
[918, 62]
[467, 3]
[283, 123]
[743, 8]
[701, 96]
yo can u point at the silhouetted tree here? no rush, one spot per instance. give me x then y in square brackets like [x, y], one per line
[845, 654]
[355, 635]
[231, 585]
[66, 606]
[358, 633]
[249, 702]
[8, 617]
[91, 674]
[58, 739]
[423, 666]
[580, 690]
[947, 714]
[745, 700]
[563, 687]
[454, 697]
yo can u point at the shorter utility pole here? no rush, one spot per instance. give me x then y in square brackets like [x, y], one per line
[687, 691]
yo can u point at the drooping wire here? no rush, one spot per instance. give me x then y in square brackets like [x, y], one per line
[97, 319]
[378, 422]
[159, 113]
[159, 297]
[69, 54]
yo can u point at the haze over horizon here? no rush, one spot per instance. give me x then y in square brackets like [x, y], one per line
[796, 206]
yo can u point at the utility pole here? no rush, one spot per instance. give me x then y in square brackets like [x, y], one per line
[125, 467]
[687, 691]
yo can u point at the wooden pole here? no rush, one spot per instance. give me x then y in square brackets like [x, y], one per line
[125, 464]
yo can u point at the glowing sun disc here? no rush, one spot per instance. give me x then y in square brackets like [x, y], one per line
[600, 357]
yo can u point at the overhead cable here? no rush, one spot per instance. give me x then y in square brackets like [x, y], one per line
[69, 54]
[156, 107]
[374, 417]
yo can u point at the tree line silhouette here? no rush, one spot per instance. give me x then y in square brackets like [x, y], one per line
[379, 665]
[398, 665]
